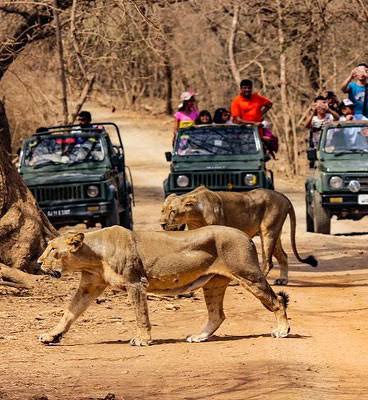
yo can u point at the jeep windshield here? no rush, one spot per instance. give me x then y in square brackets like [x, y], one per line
[42, 150]
[216, 140]
[346, 140]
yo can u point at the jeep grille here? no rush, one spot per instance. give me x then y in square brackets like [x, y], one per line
[363, 180]
[218, 179]
[55, 193]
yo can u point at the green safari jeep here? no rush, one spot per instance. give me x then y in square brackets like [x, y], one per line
[340, 183]
[220, 157]
[78, 175]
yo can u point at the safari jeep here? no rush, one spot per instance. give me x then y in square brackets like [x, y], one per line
[340, 183]
[221, 157]
[78, 175]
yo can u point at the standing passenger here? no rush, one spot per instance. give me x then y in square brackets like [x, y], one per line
[321, 114]
[187, 112]
[358, 91]
[248, 106]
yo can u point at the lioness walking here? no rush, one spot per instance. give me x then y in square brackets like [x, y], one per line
[258, 212]
[163, 263]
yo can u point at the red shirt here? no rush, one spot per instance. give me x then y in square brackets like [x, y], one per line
[249, 109]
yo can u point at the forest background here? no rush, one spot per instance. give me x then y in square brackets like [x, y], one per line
[140, 55]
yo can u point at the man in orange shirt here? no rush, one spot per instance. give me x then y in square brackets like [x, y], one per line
[249, 106]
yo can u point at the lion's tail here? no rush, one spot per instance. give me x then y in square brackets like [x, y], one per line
[285, 298]
[311, 260]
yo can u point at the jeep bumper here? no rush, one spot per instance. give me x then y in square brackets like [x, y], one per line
[346, 205]
[74, 213]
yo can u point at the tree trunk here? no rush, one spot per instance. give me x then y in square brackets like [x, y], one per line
[169, 86]
[5, 138]
[283, 90]
[24, 228]
[63, 82]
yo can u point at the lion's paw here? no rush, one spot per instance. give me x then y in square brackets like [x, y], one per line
[137, 341]
[280, 333]
[48, 338]
[196, 338]
[281, 282]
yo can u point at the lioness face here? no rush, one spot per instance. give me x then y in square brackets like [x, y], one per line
[59, 253]
[180, 211]
[168, 214]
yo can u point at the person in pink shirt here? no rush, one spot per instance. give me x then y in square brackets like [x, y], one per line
[187, 112]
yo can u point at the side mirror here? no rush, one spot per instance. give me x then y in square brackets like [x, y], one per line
[312, 157]
[312, 154]
[168, 156]
[267, 158]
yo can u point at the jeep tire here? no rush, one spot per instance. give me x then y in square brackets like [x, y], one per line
[309, 216]
[113, 218]
[321, 216]
[126, 217]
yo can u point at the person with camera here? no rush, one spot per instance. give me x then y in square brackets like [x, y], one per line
[356, 85]
[321, 114]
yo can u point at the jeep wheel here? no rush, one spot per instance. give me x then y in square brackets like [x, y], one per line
[126, 217]
[309, 216]
[113, 218]
[321, 216]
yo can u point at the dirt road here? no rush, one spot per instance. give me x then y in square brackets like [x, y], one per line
[325, 356]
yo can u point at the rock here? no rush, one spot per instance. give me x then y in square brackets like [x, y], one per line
[172, 307]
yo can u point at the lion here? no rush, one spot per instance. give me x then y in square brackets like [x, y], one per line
[162, 263]
[258, 212]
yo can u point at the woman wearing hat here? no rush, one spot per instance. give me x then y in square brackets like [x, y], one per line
[187, 112]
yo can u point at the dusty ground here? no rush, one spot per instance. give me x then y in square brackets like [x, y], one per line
[325, 356]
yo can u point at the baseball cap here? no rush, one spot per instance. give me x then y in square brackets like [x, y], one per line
[185, 96]
[347, 103]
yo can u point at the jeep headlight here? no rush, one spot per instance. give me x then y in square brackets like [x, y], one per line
[354, 186]
[250, 179]
[182, 181]
[336, 182]
[92, 191]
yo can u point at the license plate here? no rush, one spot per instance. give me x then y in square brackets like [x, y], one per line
[58, 213]
[363, 199]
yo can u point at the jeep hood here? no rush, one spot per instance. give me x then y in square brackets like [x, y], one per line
[344, 165]
[249, 165]
[47, 178]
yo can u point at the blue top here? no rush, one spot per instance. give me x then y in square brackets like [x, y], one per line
[356, 95]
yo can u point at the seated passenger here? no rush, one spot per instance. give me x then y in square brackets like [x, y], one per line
[269, 140]
[204, 118]
[222, 116]
[346, 110]
[321, 114]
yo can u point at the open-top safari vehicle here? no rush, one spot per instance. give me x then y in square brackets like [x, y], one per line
[221, 157]
[339, 185]
[78, 175]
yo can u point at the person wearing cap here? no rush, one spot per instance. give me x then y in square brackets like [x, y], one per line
[249, 106]
[346, 110]
[187, 111]
[358, 89]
